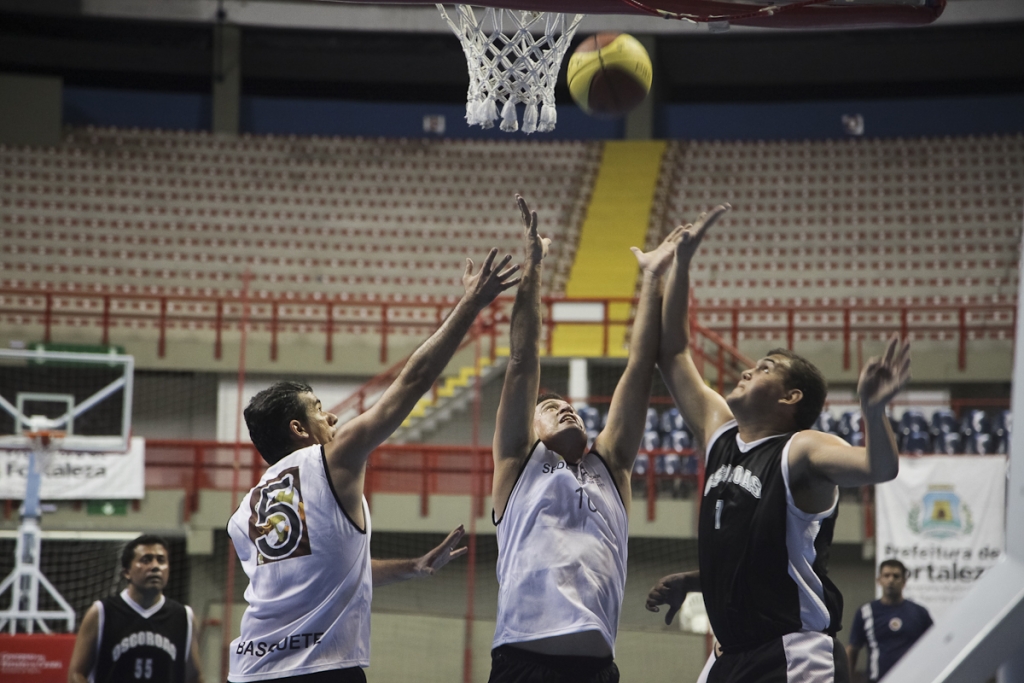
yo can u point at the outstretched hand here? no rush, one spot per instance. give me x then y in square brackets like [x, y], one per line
[693, 233]
[536, 246]
[433, 561]
[670, 590]
[657, 260]
[883, 377]
[490, 281]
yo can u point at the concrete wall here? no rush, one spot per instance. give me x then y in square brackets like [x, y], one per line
[30, 109]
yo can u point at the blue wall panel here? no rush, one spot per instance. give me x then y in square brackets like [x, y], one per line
[823, 120]
[286, 116]
[136, 109]
[745, 121]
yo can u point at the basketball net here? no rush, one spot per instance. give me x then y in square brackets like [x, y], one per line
[508, 65]
[45, 442]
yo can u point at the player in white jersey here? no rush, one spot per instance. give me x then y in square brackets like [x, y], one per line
[303, 533]
[561, 510]
[770, 497]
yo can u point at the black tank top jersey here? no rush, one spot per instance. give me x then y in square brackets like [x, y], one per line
[136, 648]
[749, 594]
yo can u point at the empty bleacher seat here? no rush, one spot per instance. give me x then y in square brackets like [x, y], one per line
[671, 421]
[976, 429]
[851, 428]
[187, 214]
[1002, 428]
[827, 423]
[849, 215]
[653, 421]
[914, 433]
[678, 440]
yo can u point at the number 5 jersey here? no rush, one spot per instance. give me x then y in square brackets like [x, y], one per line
[308, 565]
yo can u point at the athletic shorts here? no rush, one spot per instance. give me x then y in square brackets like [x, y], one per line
[512, 665]
[351, 675]
[793, 658]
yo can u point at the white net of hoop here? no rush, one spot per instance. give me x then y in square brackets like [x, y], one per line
[44, 445]
[509, 65]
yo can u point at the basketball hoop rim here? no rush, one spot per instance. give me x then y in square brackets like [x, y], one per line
[45, 437]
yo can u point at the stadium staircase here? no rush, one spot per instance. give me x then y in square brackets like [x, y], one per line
[454, 394]
[618, 218]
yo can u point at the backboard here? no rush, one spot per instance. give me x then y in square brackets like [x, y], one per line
[792, 14]
[87, 396]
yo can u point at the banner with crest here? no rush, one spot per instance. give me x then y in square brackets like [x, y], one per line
[944, 517]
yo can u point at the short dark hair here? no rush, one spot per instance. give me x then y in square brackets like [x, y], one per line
[128, 554]
[803, 375]
[893, 563]
[268, 414]
[548, 396]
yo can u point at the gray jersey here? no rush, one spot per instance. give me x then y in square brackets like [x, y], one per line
[561, 551]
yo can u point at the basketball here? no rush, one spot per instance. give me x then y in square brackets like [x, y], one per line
[609, 74]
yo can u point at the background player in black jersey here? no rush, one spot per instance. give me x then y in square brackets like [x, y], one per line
[139, 634]
[770, 496]
[561, 509]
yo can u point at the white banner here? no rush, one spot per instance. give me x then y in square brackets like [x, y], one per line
[79, 476]
[944, 518]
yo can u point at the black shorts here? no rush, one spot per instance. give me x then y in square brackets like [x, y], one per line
[796, 657]
[351, 675]
[511, 665]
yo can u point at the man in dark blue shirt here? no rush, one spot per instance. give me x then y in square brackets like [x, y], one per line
[889, 626]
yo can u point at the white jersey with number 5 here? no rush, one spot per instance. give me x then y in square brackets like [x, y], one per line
[561, 551]
[309, 575]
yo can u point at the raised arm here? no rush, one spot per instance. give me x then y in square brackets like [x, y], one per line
[702, 408]
[353, 442]
[513, 429]
[619, 441]
[819, 462]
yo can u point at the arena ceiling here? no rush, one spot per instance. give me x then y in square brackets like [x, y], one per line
[306, 48]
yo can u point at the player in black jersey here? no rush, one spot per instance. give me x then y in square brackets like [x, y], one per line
[140, 634]
[770, 497]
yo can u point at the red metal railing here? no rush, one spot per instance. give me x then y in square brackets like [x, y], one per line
[854, 322]
[422, 469]
[849, 323]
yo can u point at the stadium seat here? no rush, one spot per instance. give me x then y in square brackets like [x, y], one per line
[668, 464]
[949, 443]
[653, 420]
[976, 429]
[914, 435]
[851, 428]
[651, 441]
[1001, 429]
[944, 422]
[671, 421]
[591, 418]
[678, 440]
[827, 423]
[916, 441]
